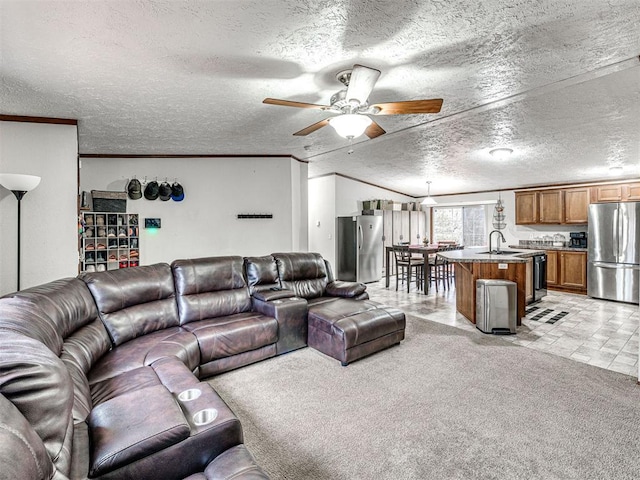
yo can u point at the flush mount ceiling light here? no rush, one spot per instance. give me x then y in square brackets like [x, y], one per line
[350, 125]
[428, 200]
[501, 153]
[615, 170]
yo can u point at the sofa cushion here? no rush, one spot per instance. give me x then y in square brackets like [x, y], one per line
[304, 273]
[262, 273]
[133, 302]
[132, 426]
[26, 317]
[143, 351]
[233, 334]
[38, 384]
[67, 302]
[210, 287]
[22, 454]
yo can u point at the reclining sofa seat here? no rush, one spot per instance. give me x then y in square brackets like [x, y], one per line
[214, 305]
[52, 341]
[342, 322]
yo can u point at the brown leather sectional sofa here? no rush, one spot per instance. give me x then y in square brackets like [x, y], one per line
[100, 375]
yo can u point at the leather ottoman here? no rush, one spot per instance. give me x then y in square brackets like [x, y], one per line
[348, 329]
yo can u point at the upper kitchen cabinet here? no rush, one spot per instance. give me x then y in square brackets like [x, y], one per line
[619, 192]
[526, 208]
[576, 205]
[553, 207]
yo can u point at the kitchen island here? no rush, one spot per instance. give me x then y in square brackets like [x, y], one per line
[476, 263]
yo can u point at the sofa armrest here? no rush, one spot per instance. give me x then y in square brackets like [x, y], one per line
[345, 289]
[291, 315]
[273, 294]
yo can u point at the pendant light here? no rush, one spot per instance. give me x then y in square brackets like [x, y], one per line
[428, 200]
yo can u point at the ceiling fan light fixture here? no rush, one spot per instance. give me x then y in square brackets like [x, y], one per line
[501, 153]
[350, 125]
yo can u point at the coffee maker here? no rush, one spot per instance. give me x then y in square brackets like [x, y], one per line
[578, 239]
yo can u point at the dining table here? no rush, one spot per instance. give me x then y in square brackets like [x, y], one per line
[424, 250]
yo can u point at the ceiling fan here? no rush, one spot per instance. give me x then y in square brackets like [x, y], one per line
[351, 105]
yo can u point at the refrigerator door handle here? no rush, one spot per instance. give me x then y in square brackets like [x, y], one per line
[360, 237]
[616, 266]
[616, 243]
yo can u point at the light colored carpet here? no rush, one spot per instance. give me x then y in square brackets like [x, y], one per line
[445, 404]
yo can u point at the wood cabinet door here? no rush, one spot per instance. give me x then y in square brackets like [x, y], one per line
[526, 208]
[528, 290]
[576, 205]
[632, 192]
[573, 270]
[552, 267]
[551, 206]
[606, 193]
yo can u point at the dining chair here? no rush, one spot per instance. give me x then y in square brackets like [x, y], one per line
[439, 269]
[407, 266]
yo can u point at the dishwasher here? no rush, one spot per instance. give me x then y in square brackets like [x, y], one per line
[539, 276]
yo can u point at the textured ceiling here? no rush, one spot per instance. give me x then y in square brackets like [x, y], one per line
[557, 81]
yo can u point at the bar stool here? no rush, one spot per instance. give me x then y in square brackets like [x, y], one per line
[406, 266]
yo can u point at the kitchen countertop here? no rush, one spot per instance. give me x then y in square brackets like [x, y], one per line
[549, 247]
[474, 255]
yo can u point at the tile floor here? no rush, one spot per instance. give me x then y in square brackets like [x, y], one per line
[597, 332]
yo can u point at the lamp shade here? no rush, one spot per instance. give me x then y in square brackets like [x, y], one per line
[19, 182]
[429, 201]
[350, 125]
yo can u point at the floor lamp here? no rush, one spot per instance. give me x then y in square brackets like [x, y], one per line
[19, 185]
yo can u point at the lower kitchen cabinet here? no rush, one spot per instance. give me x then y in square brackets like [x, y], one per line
[567, 271]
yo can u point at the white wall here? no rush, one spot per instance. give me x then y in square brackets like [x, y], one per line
[205, 223]
[322, 216]
[513, 233]
[49, 240]
[332, 196]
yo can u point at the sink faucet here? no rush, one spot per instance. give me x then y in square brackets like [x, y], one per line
[498, 244]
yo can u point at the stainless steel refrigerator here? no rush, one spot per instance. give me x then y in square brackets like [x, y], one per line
[613, 271]
[359, 248]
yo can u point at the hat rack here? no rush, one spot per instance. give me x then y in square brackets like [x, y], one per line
[242, 216]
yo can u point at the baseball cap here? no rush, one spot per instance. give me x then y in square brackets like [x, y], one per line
[134, 189]
[165, 191]
[152, 190]
[177, 192]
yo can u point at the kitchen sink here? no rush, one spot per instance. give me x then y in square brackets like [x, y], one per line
[502, 252]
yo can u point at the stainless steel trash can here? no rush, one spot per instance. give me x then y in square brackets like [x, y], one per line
[496, 306]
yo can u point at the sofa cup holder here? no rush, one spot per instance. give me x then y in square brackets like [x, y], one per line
[205, 416]
[189, 394]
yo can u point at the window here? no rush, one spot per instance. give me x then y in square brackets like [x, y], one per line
[465, 225]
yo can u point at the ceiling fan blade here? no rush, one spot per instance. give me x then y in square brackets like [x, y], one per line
[374, 130]
[361, 83]
[312, 128]
[288, 103]
[409, 107]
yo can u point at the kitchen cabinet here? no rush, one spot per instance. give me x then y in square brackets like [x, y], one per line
[619, 192]
[576, 205]
[573, 270]
[402, 226]
[551, 206]
[526, 208]
[607, 193]
[567, 271]
[632, 192]
[528, 289]
[552, 268]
